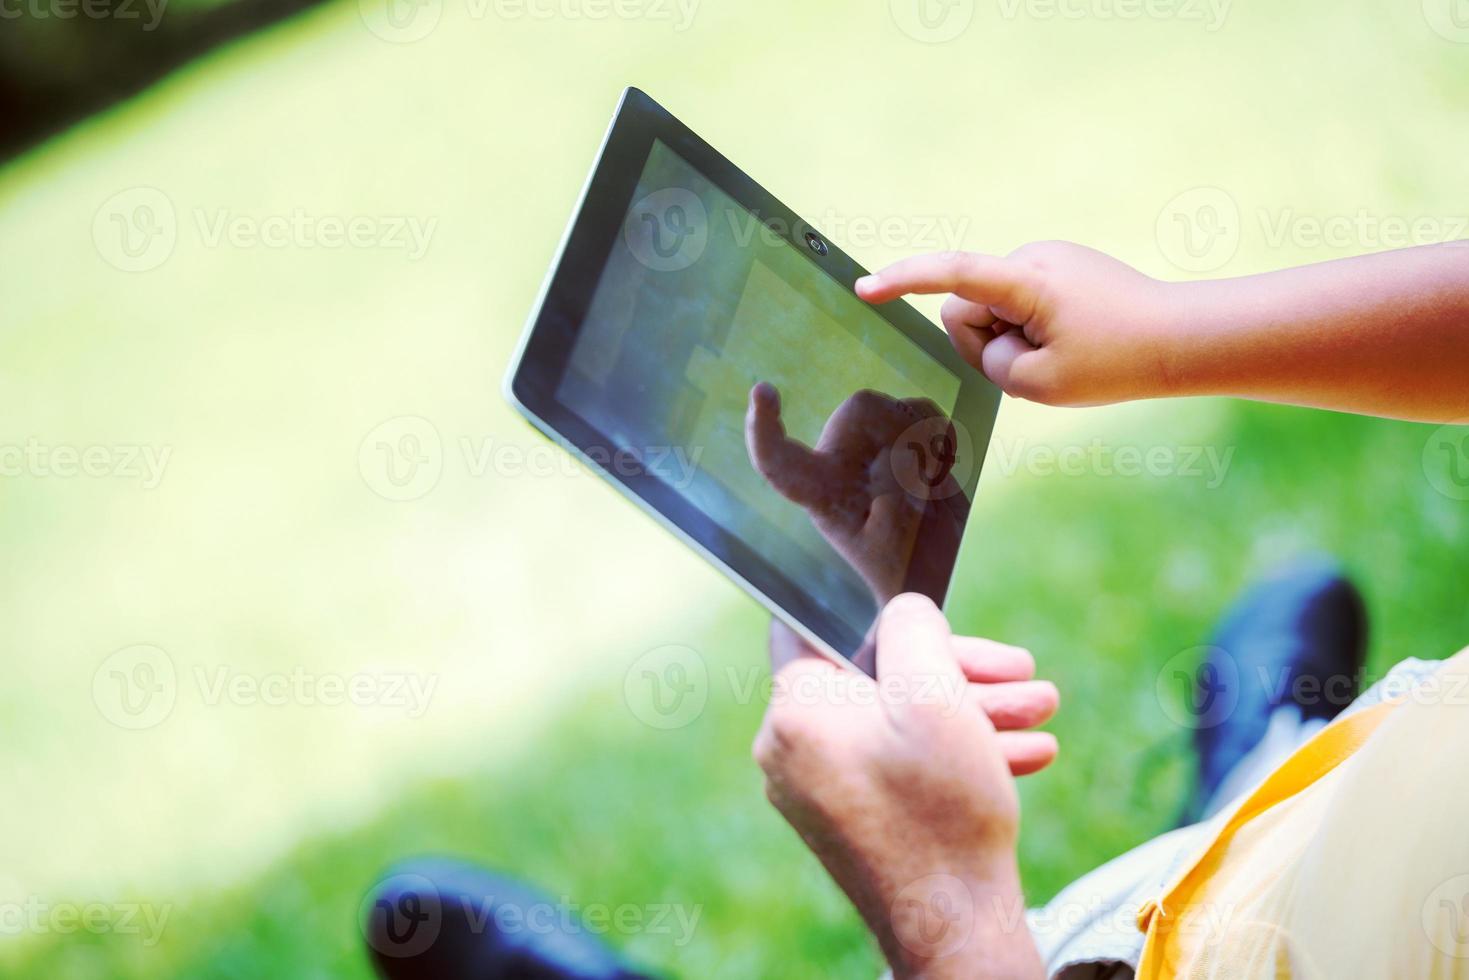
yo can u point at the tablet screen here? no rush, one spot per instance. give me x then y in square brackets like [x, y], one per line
[699, 303]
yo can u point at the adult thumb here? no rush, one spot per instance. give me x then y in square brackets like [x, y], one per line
[915, 657]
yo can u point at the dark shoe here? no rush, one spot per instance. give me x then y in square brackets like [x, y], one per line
[442, 919]
[1296, 638]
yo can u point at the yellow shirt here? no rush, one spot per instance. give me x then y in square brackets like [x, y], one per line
[1350, 861]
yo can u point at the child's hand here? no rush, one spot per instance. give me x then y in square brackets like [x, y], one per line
[850, 481]
[1053, 322]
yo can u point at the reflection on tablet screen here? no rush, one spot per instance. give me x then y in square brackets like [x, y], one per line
[704, 325]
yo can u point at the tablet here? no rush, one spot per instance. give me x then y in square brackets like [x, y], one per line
[701, 347]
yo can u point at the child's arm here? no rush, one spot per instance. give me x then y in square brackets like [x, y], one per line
[1384, 334]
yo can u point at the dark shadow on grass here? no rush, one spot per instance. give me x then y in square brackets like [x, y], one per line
[56, 71]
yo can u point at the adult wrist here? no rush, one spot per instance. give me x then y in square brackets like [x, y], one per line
[965, 925]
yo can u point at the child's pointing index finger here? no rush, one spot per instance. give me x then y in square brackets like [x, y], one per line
[1003, 284]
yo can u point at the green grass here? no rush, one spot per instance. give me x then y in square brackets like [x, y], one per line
[264, 550]
[608, 811]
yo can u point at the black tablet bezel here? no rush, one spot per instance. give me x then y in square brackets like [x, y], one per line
[551, 334]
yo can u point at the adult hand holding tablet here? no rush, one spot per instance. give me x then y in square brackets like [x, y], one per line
[673, 349]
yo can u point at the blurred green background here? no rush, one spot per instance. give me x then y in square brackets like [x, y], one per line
[295, 385]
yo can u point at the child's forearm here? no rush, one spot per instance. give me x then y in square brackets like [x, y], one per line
[1054, 322]
[1384, 334]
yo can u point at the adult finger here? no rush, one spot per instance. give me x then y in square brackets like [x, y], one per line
[914, 651]
[989, 662]
[1028, 752]
[1017, 704]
